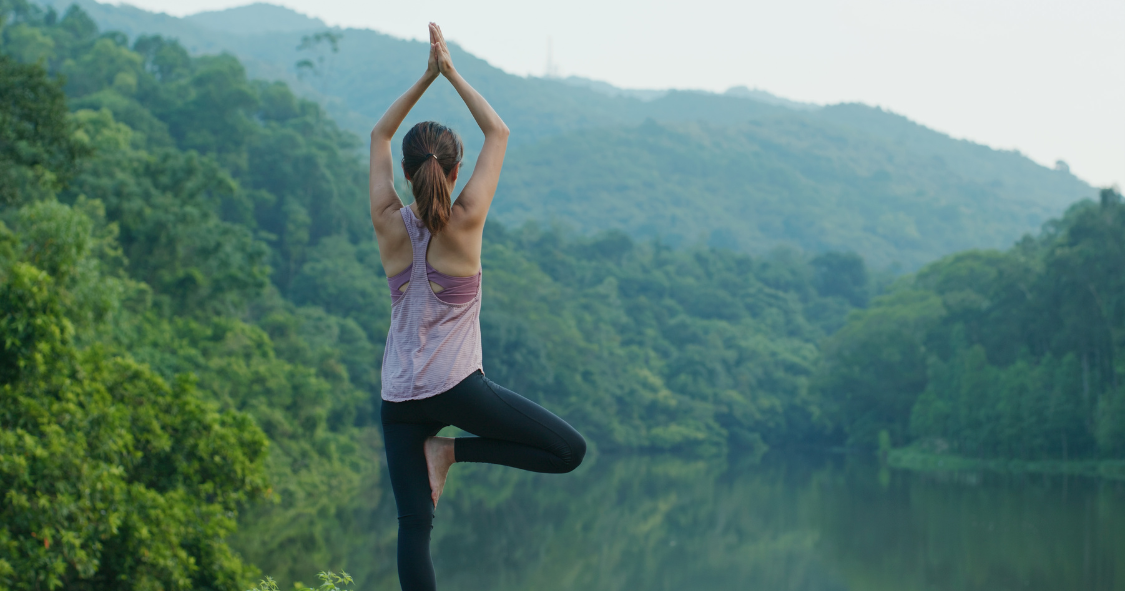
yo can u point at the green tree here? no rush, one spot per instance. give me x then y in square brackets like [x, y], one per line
[1011, 354]
[37, 152]
[112, 477]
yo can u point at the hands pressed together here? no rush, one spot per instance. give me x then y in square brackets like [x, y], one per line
[440, 61]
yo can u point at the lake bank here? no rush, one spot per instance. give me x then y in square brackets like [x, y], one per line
[922, 461]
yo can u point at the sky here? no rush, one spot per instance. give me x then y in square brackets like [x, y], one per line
[1045, 77]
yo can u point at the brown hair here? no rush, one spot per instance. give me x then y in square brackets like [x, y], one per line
[430, 150]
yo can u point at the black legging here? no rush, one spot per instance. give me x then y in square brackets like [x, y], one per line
[510, 430]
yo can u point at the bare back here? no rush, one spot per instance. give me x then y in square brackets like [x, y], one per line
[454, 252]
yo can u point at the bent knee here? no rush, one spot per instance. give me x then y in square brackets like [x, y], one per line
[576, 451]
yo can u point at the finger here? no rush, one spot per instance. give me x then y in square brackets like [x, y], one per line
[440, 40]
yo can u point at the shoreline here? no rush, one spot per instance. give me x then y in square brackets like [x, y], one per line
[912, 459]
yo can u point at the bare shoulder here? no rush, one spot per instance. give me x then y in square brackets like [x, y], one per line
[467, 215]
[394, 241]
[389, 220]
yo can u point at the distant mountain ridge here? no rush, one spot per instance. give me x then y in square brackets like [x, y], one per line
[757, 94]
[254, 19]
[608, 89]
[745, 169]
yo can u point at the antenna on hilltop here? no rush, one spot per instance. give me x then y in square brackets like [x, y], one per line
[552, 68]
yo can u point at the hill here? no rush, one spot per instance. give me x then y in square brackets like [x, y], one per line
[744, 169]
[758, 184]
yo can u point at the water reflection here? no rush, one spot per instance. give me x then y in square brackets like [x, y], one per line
[799, 523]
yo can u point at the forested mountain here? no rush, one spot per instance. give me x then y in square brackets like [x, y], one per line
[740, 170]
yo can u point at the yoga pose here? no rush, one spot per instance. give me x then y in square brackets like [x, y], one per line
[432, 371]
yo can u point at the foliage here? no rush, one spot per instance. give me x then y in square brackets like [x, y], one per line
[155, 250]
[1013, 354]
[816, 185]
[330, 582]
[37, 152]
[112, 476]
[312, 43]
[649, 347]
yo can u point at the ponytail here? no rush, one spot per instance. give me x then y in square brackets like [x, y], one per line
[431, 193]
[430, 151]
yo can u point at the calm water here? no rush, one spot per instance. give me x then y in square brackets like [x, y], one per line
[800, 523]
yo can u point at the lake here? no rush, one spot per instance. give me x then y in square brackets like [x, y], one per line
[796, 522]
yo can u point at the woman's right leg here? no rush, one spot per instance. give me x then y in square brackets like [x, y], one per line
[405, 430]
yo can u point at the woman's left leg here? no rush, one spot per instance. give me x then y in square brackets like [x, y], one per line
[510, 429]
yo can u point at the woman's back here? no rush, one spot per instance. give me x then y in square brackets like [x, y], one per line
[454, 252]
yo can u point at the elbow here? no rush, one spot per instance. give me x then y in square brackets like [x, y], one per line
[500, 131]
[379, 134]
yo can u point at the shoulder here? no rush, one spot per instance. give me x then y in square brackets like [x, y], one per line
[467, 217]
[390, 230]
[389, 221]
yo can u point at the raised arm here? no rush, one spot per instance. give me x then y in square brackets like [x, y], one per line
[471, 207]
[381, 180]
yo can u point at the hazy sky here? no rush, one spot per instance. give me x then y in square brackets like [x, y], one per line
[1046, 77]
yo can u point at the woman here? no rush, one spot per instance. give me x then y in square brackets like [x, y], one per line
[432, 372]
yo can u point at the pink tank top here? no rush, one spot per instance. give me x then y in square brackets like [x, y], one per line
[432, 345]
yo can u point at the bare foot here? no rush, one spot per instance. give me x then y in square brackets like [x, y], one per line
[439, 457]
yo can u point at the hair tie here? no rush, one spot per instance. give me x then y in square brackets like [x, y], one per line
[428, 155]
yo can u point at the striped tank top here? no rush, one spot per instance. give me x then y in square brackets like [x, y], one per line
[432, 345]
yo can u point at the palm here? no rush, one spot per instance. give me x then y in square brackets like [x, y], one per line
[432, 62]
[439, 51]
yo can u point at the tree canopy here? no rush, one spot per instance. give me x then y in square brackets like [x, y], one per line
[1014, 354]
